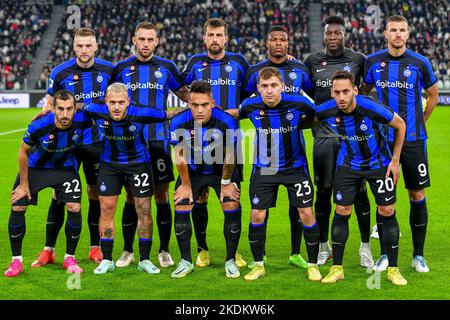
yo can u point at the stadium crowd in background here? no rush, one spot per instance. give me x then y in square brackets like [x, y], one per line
[21, 29]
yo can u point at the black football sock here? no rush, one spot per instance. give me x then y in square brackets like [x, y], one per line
[55, 221]
[322, 207]
[296, 230]
[256, 238]
[380, 233]
[145, 246]
[93, 221]
[232, 231]
[312, 239]
[418, 220]
[164, 222]
[362, 210]
[265, 230]
[16, 229]
[73, 231]
[183, 232]
[391, 238]
[339, 236]
[107, 245]
[129, 225]
[200, 222]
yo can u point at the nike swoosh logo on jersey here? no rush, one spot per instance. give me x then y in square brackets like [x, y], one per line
[128, 74]
[102, 126]
[72, 83]
[422, 182]
[143, 191]
[160, 178]
[379, 70]
[320, 70]
[365, 213]
[76, 197]
[307, 201]
[200, 70]
[334, 125]
[235, 231]
[16, 236]
[387, 199]
[312, 244]
[179, 234]
[47, 142]
[75, 237]
[258, 118]
[393, 247]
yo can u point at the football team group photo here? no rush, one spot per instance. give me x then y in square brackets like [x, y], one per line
[218, 150]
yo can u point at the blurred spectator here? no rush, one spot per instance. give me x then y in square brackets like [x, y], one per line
[22, 25]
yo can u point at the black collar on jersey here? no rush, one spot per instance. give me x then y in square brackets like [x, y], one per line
[396, 58]
[226, 58]
[278, 65]
[143, 62]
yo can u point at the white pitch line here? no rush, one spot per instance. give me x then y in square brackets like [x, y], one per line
[12, 131]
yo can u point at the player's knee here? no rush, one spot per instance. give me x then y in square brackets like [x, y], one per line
[184, 207]
[386, 211]
[306, 215]
[73, 207]
[230, 205]
[92, 192]
[19, 208]
[416, 195]
[344, 210]
[258, 216]
[203, 197]
[143, 206]
[129, 196]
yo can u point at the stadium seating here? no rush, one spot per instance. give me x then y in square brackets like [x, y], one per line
[22, 25]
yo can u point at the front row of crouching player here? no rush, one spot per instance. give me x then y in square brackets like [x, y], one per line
[206, 140]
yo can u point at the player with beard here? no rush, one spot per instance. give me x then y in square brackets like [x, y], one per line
[322, 65]
[87, 77]
[225, 71]
[149, 78]
[399, 76]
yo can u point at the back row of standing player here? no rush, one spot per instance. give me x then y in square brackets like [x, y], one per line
[398, 74]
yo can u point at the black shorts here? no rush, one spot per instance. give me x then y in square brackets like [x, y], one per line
[348, 182]
[200, 182]
[65, 181]
[112, 177]
[414, 162]
[89, 155]
[264, 188]
[325, 153]
[161, 161]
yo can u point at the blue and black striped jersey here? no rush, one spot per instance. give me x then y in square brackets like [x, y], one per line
[52, 147]
[279, 141]
[123, 141]
[87, 84]
[399, 82]
[364, 144]
[225, 75]
[148, 84]
[295, 76]
[205, 145]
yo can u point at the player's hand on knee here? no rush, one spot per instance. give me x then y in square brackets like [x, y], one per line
[183, 192]
[231, 191]
[394, 170]
[20, 192]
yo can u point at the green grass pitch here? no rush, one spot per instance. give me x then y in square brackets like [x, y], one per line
[282, 281]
